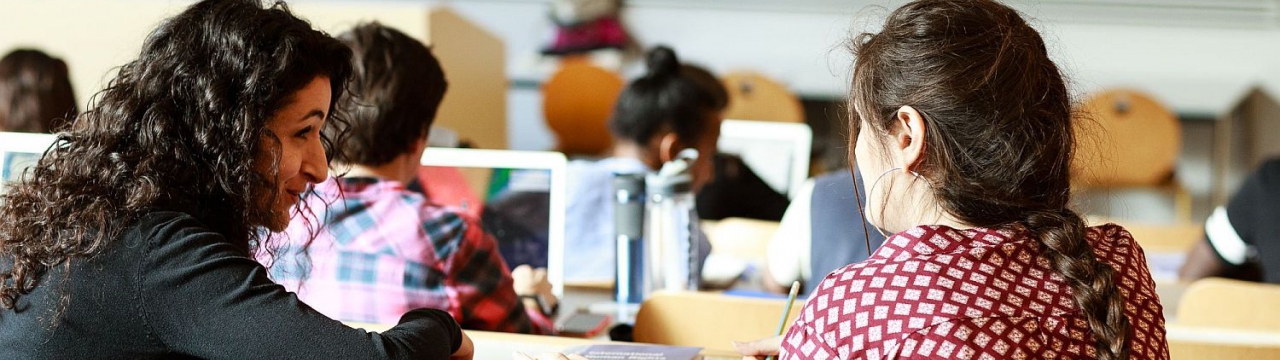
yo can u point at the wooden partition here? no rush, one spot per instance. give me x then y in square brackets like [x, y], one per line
[474, 61]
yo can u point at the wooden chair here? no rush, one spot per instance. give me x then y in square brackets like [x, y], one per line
[1126, 138]
[739, 238]
[1160, 238]
[1195, 342]
[1232, 304]
[708, 320]
[1128, 144]
[753, 96]
[577, 102]
[1201, 350]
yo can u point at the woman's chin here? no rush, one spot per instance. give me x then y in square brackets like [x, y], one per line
[278, 222]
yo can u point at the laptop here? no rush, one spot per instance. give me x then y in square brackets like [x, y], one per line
[519, 197]
[19, 152]
[777, 152]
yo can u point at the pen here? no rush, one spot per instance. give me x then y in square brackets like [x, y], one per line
[791, 298]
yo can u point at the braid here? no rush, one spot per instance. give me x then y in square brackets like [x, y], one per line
[1062, 233]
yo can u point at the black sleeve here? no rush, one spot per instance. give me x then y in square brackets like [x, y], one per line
[204, 298]
[1255, 208]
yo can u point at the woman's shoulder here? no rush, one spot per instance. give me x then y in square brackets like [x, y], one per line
[1114, 244]
[1110, 233]
[152, 223]
[940, 240]
[167, 231]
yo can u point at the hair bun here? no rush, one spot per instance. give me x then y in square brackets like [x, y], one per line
[661, 61]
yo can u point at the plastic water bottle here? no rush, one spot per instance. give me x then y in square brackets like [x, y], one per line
[671, 227]
[628, 224]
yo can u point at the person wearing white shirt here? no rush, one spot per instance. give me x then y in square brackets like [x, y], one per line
[816, 235]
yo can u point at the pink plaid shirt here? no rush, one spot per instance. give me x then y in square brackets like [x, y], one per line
[382, 250]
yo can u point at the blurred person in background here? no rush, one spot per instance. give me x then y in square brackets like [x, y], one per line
[416, 253]
[820, 233]
[1242, 239]
[35, 97]
[35, 92]
[672, 107]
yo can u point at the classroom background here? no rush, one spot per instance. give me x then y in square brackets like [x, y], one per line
[1189, 85]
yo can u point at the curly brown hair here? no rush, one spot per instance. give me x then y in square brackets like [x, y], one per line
[176, 129]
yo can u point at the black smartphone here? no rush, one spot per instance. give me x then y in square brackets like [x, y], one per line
[585, 325]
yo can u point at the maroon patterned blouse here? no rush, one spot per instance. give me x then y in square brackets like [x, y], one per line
[936, 292]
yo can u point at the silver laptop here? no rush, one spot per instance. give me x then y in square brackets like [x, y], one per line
[19, 152]
[519, 197]
[777, 152]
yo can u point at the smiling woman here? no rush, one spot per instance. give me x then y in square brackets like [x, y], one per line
[293, 153]
[131, 238]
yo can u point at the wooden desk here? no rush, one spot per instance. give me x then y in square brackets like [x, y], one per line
[495, 345]
[1185, 342]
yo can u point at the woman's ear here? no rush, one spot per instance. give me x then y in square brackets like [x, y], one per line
[668, 147]
[909, 137]
[421, 144]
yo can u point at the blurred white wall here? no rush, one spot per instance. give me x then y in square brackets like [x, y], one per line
[1198, 68]
[1194, 69]
[95, 37]
[1186, 66]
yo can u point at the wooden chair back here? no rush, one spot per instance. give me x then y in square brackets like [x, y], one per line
[577, 102]
[1232, 304]
[753, 96]
[1125, 138]
[708, 320]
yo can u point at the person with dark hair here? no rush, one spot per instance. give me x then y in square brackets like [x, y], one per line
[35, 92]
[962, 127]
[1242, 238]
[135, 233]
[423, 254]
[672, 107]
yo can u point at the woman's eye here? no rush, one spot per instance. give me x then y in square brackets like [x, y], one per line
[302, 134]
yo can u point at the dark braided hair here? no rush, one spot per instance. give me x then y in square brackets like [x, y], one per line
[999, 132]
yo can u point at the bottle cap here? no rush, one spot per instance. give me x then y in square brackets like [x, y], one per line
[676, 176]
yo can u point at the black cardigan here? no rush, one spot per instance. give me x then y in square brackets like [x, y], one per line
[170, 288]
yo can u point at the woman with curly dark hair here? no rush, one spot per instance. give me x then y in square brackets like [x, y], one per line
[132, 237]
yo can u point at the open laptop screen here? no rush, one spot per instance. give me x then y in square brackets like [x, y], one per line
[512, 204]
[777, 152]
[517, 196]
[20, 152]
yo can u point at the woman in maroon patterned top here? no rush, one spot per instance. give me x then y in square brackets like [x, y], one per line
[963, 130]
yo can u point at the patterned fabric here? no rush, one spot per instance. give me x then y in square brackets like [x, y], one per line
[937, 292]
[382, 250]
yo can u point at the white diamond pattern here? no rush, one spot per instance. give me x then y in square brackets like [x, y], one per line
[936, 292]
